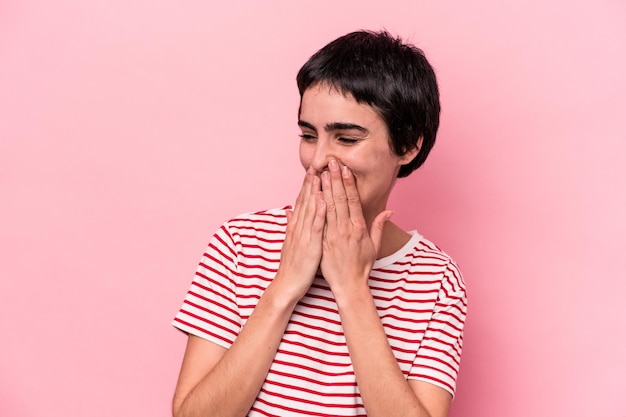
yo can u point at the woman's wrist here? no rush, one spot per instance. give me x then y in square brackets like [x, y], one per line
[354, 294]
[283, 293]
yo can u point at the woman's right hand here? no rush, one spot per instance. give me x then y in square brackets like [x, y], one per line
[218, 381]
[302, 249]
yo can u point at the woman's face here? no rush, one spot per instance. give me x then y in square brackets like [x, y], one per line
[335, 126]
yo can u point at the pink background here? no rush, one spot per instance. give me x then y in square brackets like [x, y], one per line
[129, 130]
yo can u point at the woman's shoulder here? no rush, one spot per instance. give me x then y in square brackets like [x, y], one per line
[432, 256]
[269, 218]
[426, 247]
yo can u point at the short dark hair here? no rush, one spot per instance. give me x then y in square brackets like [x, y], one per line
[391, 76]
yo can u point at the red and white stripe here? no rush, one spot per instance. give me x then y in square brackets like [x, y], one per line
[419, 293]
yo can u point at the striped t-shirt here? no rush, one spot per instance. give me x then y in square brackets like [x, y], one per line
[418, 291]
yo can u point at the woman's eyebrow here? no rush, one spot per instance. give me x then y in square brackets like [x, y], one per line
[334, 126]
[345, 126]
[308, 125]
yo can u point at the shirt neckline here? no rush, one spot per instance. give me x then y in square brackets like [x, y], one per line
[400, 253]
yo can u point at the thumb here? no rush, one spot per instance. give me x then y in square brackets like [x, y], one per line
[378, 225]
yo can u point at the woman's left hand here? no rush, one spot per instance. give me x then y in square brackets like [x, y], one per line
[349, 249]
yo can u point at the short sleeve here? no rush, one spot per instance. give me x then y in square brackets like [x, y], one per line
[210, 308]
[438, 358]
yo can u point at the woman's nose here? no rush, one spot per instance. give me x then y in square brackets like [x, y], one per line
[321, 155]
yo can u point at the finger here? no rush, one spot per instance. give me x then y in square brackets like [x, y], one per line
[301, 227]
[304, 196]
[319, 221]
[327, 193]
[378, 225]
[338, 191]
[311, 208]
[352, 196]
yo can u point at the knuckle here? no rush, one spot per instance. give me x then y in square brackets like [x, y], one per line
[353, 199]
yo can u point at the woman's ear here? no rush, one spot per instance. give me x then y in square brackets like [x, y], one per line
[412, 153]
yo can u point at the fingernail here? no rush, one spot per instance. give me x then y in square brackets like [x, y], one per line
[332, 164]
[345, 172]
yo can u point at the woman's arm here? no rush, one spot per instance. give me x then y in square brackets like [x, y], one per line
[384, 389]
[349, 251]
[214, 381]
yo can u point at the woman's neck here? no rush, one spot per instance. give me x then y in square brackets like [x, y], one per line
[394, 238]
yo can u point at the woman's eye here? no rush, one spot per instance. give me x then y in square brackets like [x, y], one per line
[347, 141]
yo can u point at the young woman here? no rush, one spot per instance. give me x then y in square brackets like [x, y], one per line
[330, 308]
